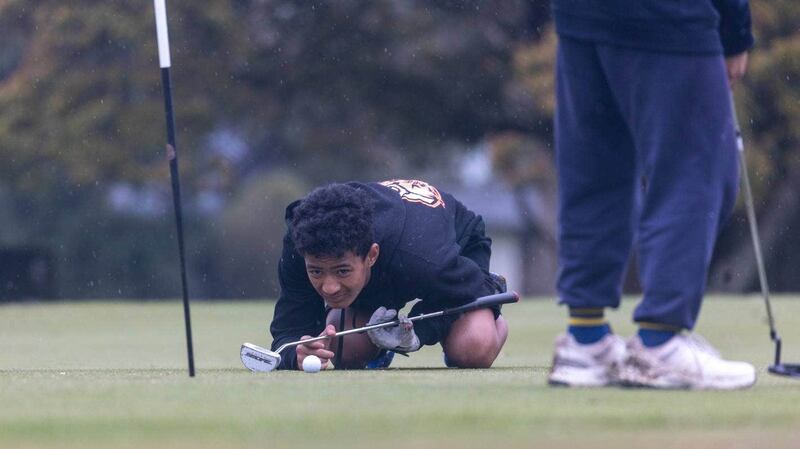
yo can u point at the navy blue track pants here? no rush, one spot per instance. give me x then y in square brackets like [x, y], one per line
[646, 153]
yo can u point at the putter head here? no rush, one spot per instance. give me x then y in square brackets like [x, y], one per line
[785, 369]
[778, 368]
[258, 359]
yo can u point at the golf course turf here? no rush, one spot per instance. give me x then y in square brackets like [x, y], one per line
[113, 374]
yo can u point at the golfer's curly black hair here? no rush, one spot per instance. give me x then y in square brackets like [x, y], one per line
[333, 220]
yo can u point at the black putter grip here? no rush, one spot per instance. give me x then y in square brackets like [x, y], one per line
[484, 301]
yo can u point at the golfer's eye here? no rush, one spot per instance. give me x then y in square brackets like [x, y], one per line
[342, 272]
[314, 273]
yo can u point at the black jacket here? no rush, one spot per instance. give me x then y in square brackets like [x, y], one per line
[683, 26]
[420, 257]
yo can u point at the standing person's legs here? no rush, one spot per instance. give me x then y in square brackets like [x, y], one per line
[597, 196]
[596, 181]
[679, 111]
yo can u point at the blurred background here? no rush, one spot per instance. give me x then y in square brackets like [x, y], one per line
[274, 97]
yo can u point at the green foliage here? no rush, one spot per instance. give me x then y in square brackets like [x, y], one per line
[359, 83]
[364, 89]
[375, 86]
[768, 98]
[771, 103]
[100, 253]
[110, 256]
[250, 234]
[534, 66]
[336, 90]
[521, 160]
[774, 20]
[83, 103]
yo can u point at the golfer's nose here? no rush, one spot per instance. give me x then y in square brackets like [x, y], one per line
[330, 286]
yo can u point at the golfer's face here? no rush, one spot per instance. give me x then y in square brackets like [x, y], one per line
[339, 280]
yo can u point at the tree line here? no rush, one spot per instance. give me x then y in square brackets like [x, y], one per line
[275, 96]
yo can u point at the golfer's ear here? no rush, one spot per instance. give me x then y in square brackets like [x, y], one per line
[372, 254]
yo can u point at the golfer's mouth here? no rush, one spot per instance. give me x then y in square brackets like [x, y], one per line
[338, 300]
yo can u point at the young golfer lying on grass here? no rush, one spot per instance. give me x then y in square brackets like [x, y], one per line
[356, 253]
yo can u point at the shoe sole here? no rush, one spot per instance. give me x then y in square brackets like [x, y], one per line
[666, 385]
[562, 383]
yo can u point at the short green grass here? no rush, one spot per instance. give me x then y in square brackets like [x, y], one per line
[100, 375]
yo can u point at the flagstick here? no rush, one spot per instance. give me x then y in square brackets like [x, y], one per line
[172, 155]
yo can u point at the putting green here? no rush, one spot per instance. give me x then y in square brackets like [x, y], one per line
[99, 375]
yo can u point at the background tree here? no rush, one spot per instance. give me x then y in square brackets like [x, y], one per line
[319, 91]
[769, 112]
[334, 90]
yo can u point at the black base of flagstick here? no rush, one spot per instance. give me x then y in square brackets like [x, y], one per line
[172, 156]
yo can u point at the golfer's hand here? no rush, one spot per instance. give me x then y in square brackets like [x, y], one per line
[317, 348]
[396, 338]
[736, 66]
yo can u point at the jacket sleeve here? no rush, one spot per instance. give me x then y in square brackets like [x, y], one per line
[299, 310]
[735, 26]
[448, 286]
[449, 269]
[455, 282]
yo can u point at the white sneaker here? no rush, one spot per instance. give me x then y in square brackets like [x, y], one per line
[592, 365]
[685, 361]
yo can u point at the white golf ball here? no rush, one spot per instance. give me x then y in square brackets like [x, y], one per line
[311, 364]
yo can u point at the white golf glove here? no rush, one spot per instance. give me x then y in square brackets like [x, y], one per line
[399, 338]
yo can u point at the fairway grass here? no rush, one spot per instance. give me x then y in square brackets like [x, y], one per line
[113, 375]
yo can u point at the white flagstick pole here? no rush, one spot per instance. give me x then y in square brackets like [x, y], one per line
[172, 155]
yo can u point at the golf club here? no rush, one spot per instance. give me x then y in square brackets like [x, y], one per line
[172, 155]
[778, 368]
[258, 359]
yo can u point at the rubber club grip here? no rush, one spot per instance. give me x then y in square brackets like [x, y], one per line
[484, 301]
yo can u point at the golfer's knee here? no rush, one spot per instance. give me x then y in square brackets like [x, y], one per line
[353, 351]
[473, 350]
[477, 358]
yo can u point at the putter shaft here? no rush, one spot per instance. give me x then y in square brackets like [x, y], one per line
[751, 219]
[357, 330]
[272, 358]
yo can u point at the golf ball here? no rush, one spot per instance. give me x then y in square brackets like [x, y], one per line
[311, 364]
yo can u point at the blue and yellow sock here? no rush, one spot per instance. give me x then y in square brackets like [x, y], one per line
[587, 324]
[656, 334]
